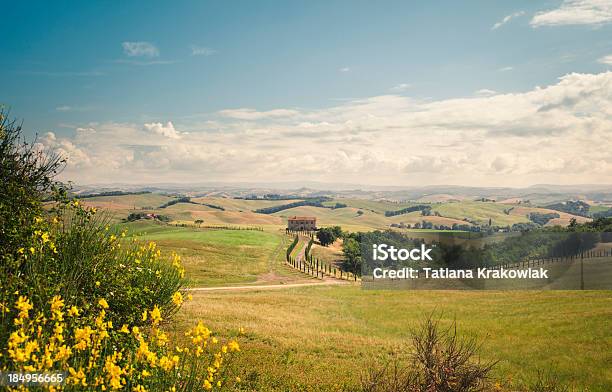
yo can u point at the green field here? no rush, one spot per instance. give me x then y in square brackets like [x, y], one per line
[320, 339]
[216, 257]
[479, 212]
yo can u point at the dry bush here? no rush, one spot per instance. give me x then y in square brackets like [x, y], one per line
[438, 361]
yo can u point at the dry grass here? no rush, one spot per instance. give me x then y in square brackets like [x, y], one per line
[322, 338]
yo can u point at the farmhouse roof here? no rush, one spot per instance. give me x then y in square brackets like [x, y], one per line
[302, 218]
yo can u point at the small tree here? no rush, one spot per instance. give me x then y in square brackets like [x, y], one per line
[198, 222]
[352, 255]
[326, 236]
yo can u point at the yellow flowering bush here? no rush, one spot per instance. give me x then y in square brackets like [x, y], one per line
[77, 297]
[101, 357]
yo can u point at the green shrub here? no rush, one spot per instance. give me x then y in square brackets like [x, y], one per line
[76, 296]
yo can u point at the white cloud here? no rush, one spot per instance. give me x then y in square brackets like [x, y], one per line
[252, 114]
[507, 19]
[575, 12]
[166, 130]
[485, 92]
[137, 49]
[63, 108]
[344, 69]
[555, 134]
[201, 51]
[505, 69]
[606, 60]
[400, 87]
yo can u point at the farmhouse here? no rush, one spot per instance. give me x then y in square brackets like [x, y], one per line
[302, 223]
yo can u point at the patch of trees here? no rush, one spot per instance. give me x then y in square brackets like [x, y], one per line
[340, 205]
[134, 216]
[291, 247]
[425, 210]
[211, 206]
[577, 207]
[603, 226]
[176, 201]
[523, 226]
[327, 235]
[318, 202]
[542, 219]
[186, 199]
[603, 214]
[111, 193]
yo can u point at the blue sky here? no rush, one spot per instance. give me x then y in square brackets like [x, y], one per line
[108, 67]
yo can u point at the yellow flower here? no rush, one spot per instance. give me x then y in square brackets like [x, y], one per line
[144, 316]
[238, 379]
[97, 283]
[103, 304]
[177, 298]
[124, 329]
[57, 303]
[241, 331]
[233, 345]
[207, 385]
[23, 305]
[32, 250]
[73, 311]
[156, 315]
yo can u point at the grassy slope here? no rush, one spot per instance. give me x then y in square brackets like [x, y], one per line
[214, 257]
[240, 204]
[238, 212]
[119, 207]
[379, 206]
[345, 217]
[478, 211]
[323, 337]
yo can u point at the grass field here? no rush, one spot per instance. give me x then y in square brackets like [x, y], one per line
[321, 338]
[216, 257]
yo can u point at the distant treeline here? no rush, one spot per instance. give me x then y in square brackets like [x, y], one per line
[270, 196]
[188, 200]
[542, 219]
[473, 228]
[134, 216]
[111, 193]
[425, 210]
[577, 207]
[317, 202]
[603, 214]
